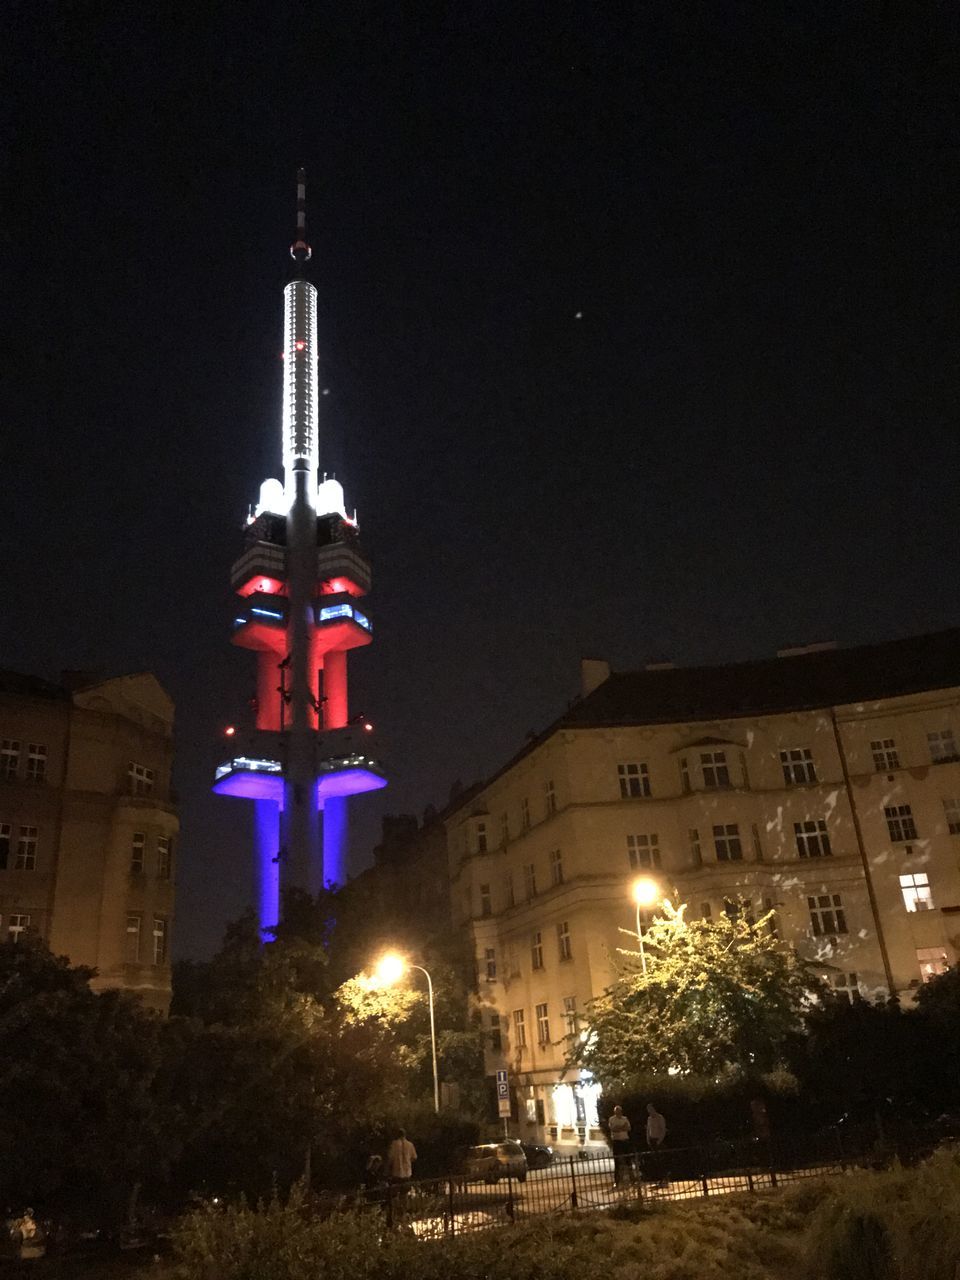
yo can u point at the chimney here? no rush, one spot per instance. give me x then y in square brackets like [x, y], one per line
[593, 672]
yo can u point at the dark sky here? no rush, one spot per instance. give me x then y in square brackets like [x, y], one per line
[639, 324]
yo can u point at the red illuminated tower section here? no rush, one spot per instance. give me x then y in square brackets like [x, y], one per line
[299, 578]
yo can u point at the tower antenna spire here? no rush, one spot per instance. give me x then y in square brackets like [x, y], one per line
[300, 251]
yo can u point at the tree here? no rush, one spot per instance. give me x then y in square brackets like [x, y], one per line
[717, 997]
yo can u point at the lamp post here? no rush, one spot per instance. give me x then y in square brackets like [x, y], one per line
[645, 893]
[391, 969]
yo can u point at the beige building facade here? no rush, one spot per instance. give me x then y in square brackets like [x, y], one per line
[88, 826]
[823, 785]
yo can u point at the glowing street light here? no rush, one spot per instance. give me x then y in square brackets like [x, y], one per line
[390, 969]
[645, 893]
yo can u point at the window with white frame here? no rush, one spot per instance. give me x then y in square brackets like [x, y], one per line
[485, 904]
[4, 845]
[846, 986]
[900, 822]
[524, 814]
[634, 779]
[812, 838]
[571, 1019]
[543, 1025]
[726, 842]
[644, 851]
[164, 857]
[827, 915]
[797, 765]
[508, 893]
[140, 779]
[138, 845]
[134, 929]
[159, 940]
[563, 940]
[696, 854]
[496, 1039]
[915, 887]
[530, 881]
[556, 866]
[481, 836]
[519, 1029]
[36, 762]
[26, 856]
[9, 758]
[943, 746]
[490, 963]
[951, 811]
[885, 755]
[716, 773]
[504, 828]
[551, 796]
[932, 962]
[536, 950]
[17, 925]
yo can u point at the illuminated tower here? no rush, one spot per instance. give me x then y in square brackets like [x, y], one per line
[299, 578]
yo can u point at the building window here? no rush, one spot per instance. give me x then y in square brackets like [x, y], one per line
[716, 774]
[159, 940]
[524, 814]
[485, 907]
[706, 911]
[773, 924]
[536, 950]
[643, 851]
[508, 890]
[846, 986]
[17, 924]
[884, 754]
[634, 780]
[900, 822]
[519, 1030]
[556, 866]
[943, 746]
[551, 797]
[684, 777]
[757, 846]
[951, 810]
[915, 888]
[164, 857]
[134, 924]
[932, 961]
[9, 758]
[798, 767]
[481, 837]
[137, 847]
[4, 845]
[36, 762]
[827, 915]
[543, 1025]
[490, 963]
[571, 1020]
[496, 1040]
[140, 779]
[563, 940]
[696, 856]
[26, 859]
[726, 843]
[812, 839]
[529, 881]
[504, 829]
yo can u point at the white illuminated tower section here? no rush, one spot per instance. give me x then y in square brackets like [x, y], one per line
[299, 577]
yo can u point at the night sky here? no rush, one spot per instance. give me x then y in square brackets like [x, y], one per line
[639, 325]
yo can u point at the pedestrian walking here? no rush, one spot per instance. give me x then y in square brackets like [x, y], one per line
[618, 1126]
[656, 1128]
[401, 1155]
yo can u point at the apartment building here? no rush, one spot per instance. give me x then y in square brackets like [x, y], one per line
[823, 784]
[88, 827]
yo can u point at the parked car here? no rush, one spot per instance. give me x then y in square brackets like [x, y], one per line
[491, 1161]
[538, 1157]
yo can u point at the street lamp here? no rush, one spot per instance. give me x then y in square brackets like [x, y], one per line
[645, 893]
[390, 969]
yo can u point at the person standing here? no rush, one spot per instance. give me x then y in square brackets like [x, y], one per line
[618, 1127]
[656, 1128]
[401, 1155]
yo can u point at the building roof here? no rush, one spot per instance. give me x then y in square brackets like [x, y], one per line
[31, 686]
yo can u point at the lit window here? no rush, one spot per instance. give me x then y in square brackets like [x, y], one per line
[563, 940]
[504, 829]
[696, 856]
[519, 1029]
[932, 961]
[571, 1019]
[798, 767]
[556, 866]
[485, 906]
[551, 797]
[536, 950]
[716, 774]
[643, 851]
[17, 924]
[827, 915]
[481, 837]
[529, 881]
[846, 986]
[812, 839]
[164, 857]
[726, 843]
[885, 755]
[490, 963]
[26, 857]
[915, 888]
[134, 924]
[137, 846]
[328, 613]
[524, 814]
[900, 822]
[159, 940]
[543, 1025]
[943, 746]
[634, 780]
[9, 758]
[4, 845]
[140, 779]
[36, 762]
[951, 810]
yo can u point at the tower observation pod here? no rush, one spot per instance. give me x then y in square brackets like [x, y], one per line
[299, 580]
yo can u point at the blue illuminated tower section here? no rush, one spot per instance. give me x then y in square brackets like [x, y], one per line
[299, 579]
